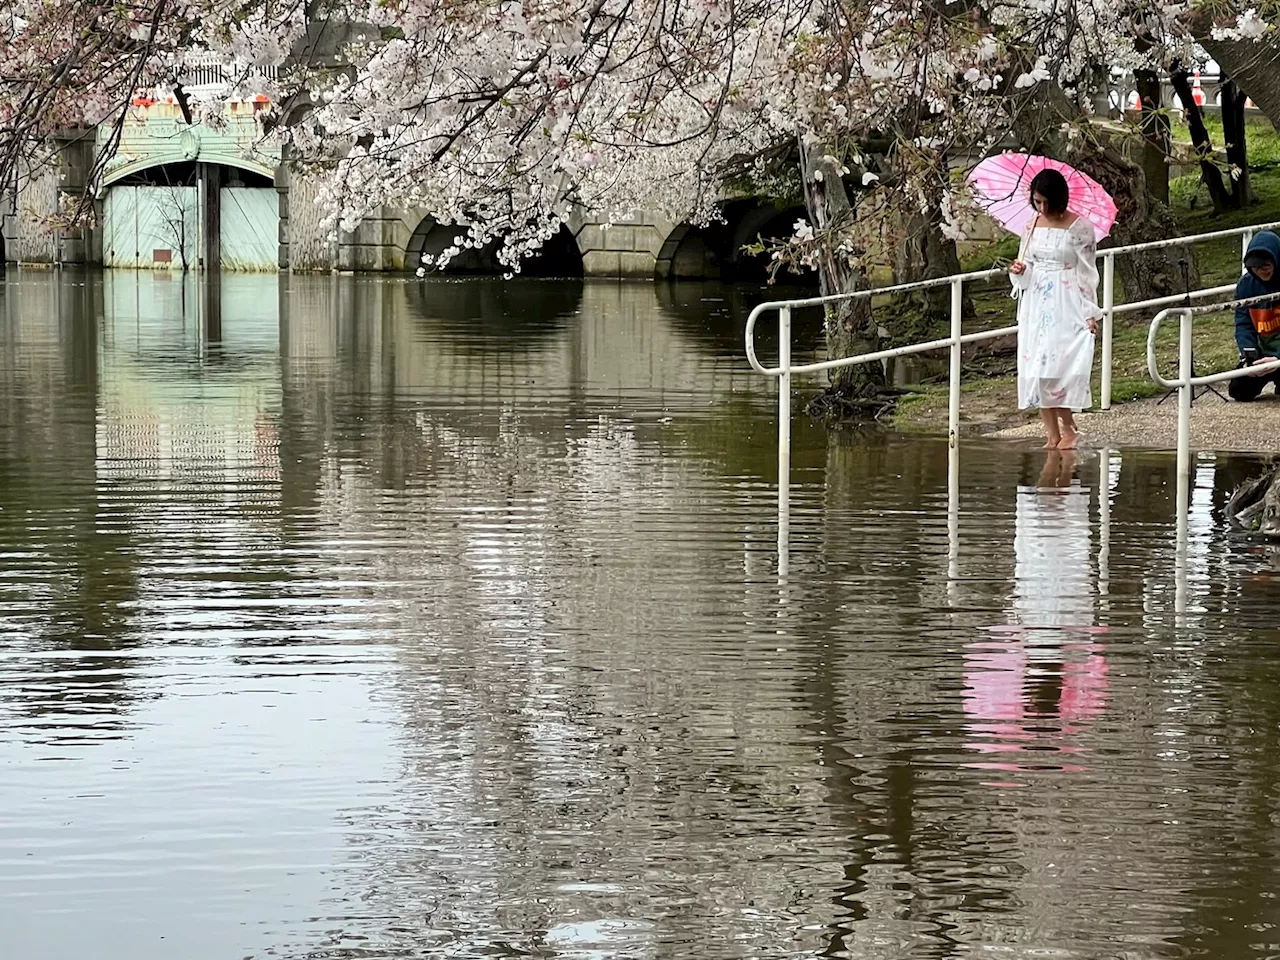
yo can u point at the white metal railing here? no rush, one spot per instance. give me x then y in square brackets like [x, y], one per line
[954, 342]
[1186, 383]
[212, 74]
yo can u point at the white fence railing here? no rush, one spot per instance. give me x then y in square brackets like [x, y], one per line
[954, 343]
[211, 74]
[1186, 383]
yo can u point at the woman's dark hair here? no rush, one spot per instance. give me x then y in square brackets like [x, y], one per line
[1051, 185]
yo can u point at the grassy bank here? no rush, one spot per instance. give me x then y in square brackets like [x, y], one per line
[989, 394]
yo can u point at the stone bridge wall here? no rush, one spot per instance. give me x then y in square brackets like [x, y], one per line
[643, 247]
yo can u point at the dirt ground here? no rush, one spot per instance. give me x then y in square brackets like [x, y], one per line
[1215, 425]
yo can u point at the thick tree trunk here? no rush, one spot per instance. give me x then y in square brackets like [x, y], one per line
[1142, 218]
[850, 327]
[1235, 138]
[1210, 175]
[1253, 65]
[925, 253]
[1155, 133]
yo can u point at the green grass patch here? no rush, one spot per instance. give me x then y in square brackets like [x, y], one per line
[1190, 200]
[1261, 139]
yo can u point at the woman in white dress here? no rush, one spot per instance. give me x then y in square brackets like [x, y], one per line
[1055, 279]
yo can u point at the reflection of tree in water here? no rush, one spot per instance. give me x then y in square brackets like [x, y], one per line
[713, 315]
[1145, 495]
[1231, 717]
[1233, 785]
[93, 574]
[494, 316]
[1145, 489]
[74, 534]
[906, 829]
[551, 796]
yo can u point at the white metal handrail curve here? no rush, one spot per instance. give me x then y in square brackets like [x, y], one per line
[1109, 307]
[1186, 383]
[955, 342]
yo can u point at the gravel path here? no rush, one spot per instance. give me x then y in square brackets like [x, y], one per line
[1215, 425]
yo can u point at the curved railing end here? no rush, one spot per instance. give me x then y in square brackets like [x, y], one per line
[751, 340]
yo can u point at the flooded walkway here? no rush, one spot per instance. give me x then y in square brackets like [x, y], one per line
[352, 619]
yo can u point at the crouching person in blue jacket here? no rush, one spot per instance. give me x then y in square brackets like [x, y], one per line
[1258, 325]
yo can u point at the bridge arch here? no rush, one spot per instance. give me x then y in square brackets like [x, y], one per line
[180, 167]
[716, 251]
[188, 214]
[559, 257]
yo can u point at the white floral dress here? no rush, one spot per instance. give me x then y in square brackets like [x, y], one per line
[1057, 294]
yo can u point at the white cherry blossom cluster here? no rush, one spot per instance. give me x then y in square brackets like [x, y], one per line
[505, 117]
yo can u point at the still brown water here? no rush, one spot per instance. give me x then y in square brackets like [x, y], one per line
[355, 619]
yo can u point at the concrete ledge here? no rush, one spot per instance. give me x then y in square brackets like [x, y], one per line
[619, 264]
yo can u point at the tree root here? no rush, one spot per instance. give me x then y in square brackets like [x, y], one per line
[1255, 505]
[834, 406]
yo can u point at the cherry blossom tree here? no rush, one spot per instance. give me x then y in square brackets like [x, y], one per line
[503, 117]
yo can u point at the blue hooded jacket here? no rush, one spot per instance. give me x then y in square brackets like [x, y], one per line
[1258, 326]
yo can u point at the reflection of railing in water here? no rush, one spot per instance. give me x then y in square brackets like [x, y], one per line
[1186, 384]
[954, 343]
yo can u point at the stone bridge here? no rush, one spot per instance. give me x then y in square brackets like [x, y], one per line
[176, 196]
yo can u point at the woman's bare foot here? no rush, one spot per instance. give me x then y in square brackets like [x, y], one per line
[1070, 440]
[1052, 432]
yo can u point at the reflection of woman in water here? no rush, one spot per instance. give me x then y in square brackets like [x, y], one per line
[1044, 666]
[1053, 585]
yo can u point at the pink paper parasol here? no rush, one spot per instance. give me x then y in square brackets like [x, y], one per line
[1002, 186]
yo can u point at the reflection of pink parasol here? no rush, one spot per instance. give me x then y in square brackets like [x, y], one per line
[999, 712]
[1002, 187]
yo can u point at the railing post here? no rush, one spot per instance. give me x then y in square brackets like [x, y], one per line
[1104, 524]
[1246, 238]
[1184, 460]
[953, 403]
[784, 438]
[1108, 323]
[1184, 402]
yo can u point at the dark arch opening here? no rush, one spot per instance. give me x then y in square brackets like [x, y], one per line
[717, 250]
[184, 174]
[558, 258]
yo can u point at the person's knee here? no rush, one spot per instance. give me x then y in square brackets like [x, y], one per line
[1243, 389]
